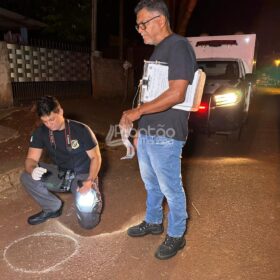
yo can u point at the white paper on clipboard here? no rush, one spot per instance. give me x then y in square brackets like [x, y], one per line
[155, 82]
[194, 93]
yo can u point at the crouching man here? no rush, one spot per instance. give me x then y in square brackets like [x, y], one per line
[74, 151]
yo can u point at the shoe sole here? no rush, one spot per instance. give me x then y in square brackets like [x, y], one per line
[145, 233]
[171, 255]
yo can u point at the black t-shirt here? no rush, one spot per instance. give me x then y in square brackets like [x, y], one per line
[177, 52]
[81, 141]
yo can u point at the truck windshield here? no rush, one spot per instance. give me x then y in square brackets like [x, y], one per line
[221, 70]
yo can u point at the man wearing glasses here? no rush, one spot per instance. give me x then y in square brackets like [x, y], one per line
[159, 153]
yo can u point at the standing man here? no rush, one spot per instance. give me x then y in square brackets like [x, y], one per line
[74, 151]
[159, 151]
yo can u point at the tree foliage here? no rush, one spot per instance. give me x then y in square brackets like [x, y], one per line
[181, 12]
[67, 20]
[70, 20]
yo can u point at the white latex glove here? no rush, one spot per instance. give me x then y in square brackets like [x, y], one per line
[38, 172]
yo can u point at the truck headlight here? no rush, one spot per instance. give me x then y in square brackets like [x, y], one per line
[229, 98]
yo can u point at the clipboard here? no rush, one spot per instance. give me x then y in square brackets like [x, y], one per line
[155, 82]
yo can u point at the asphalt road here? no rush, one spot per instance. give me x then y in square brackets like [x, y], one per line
[233, 193]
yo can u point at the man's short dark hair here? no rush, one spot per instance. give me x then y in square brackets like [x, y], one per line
[47, 104]
[153, 5]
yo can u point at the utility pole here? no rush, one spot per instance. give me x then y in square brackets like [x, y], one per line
[93, 24]
[121, 27]
[93, 42]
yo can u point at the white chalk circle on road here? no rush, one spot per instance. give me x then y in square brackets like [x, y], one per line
[40, 252]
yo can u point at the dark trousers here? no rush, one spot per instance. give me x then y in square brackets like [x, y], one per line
[49, 202]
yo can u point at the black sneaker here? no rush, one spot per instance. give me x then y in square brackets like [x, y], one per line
[145, 228]
[170, 247]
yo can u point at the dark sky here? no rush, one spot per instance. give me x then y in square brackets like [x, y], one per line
[224, 17]
[218, 17]
[215, 17]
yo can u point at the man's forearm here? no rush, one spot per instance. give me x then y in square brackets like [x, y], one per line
[175, 94]
[30, 164]
[162, 103]
[95, 165]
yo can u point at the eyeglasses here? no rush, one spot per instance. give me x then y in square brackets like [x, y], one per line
[142, 25]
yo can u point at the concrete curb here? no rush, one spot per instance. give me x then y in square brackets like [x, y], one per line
[7, 112]
[7, 134]
[10, 180]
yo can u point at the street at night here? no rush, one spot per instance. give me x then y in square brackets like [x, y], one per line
[114, 114]
[233, 203]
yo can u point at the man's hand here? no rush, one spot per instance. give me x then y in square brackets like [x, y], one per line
[38, 172]
[129, 116]
[133, 114]
[86, 186]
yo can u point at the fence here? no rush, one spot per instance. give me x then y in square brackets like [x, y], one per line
[36, 71]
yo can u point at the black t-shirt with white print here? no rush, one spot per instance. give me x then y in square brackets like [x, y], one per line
[81, 141]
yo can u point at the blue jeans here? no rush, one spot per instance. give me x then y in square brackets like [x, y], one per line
[160, 167]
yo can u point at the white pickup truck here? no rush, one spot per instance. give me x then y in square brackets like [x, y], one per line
[228, 62]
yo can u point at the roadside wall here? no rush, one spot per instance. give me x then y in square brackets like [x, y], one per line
[111, 79]
[37, 64]
[31, 72]
[28, 72]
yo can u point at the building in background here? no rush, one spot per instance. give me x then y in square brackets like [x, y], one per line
[14, 27]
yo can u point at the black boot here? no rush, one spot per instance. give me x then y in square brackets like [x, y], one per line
[170, 247]
[145, 228]
[43, 216]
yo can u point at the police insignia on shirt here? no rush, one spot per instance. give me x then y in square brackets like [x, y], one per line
[75, 144]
